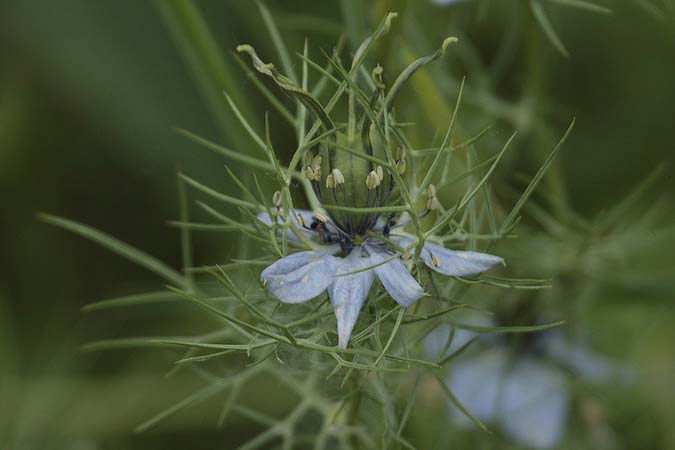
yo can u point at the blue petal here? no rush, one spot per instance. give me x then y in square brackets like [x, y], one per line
[301, 276]
[347, 293]
[396, 279]
[534, 404]
[588, 365]
[457, 263]
[476, 382]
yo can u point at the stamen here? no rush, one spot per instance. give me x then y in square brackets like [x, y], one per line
[318, 215]
[276, 199]
[435, 261]
[338, 177]
[432, 203]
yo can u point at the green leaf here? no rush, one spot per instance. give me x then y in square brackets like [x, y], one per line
[211, 71]
[507, 329]
[133, 300]
[121, 248]
[277, 41]
[455, 401]
[414, 67]
[546, 26]
[580, 4]
[289, 87]
[513, 214]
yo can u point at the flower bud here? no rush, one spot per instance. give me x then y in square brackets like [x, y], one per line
[338, 177]
[276, 199]
[330, 181]
[372, 180]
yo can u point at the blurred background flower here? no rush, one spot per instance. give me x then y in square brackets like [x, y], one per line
[90, 97]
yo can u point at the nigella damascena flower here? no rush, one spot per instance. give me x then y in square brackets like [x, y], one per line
[525, 390]
[346, 265]
[357, 175]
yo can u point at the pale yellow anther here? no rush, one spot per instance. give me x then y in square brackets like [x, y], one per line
[309, 173]
[377, 76]
[435, 261]
[400, 153]
[330, 181]
[276, 199]
[380, 173]
[301, 220]
[316, 163]
[372, 180]
[432, 203]
[338, 177]
[401, 166]
[321, 217]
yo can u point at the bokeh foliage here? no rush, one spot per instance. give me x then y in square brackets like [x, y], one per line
[91, 94]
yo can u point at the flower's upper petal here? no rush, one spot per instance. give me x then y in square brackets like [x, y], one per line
[347, 293]
[476, 381]
[396, 278]
[534, 404]
[307, 215]
[301, 276]
[457, 263]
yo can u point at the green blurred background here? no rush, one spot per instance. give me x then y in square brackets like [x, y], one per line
[90, 94]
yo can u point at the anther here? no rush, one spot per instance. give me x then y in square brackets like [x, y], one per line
[380, 173]
[276, 199]
[320, 217]
[401, 166]
[435, 261]
[330, 181]
[372, 180]
[311, 174]
[338, 177]
[316, 163]
[432, 203]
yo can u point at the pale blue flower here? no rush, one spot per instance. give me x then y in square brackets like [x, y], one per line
[526, 393]
[346, 265]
